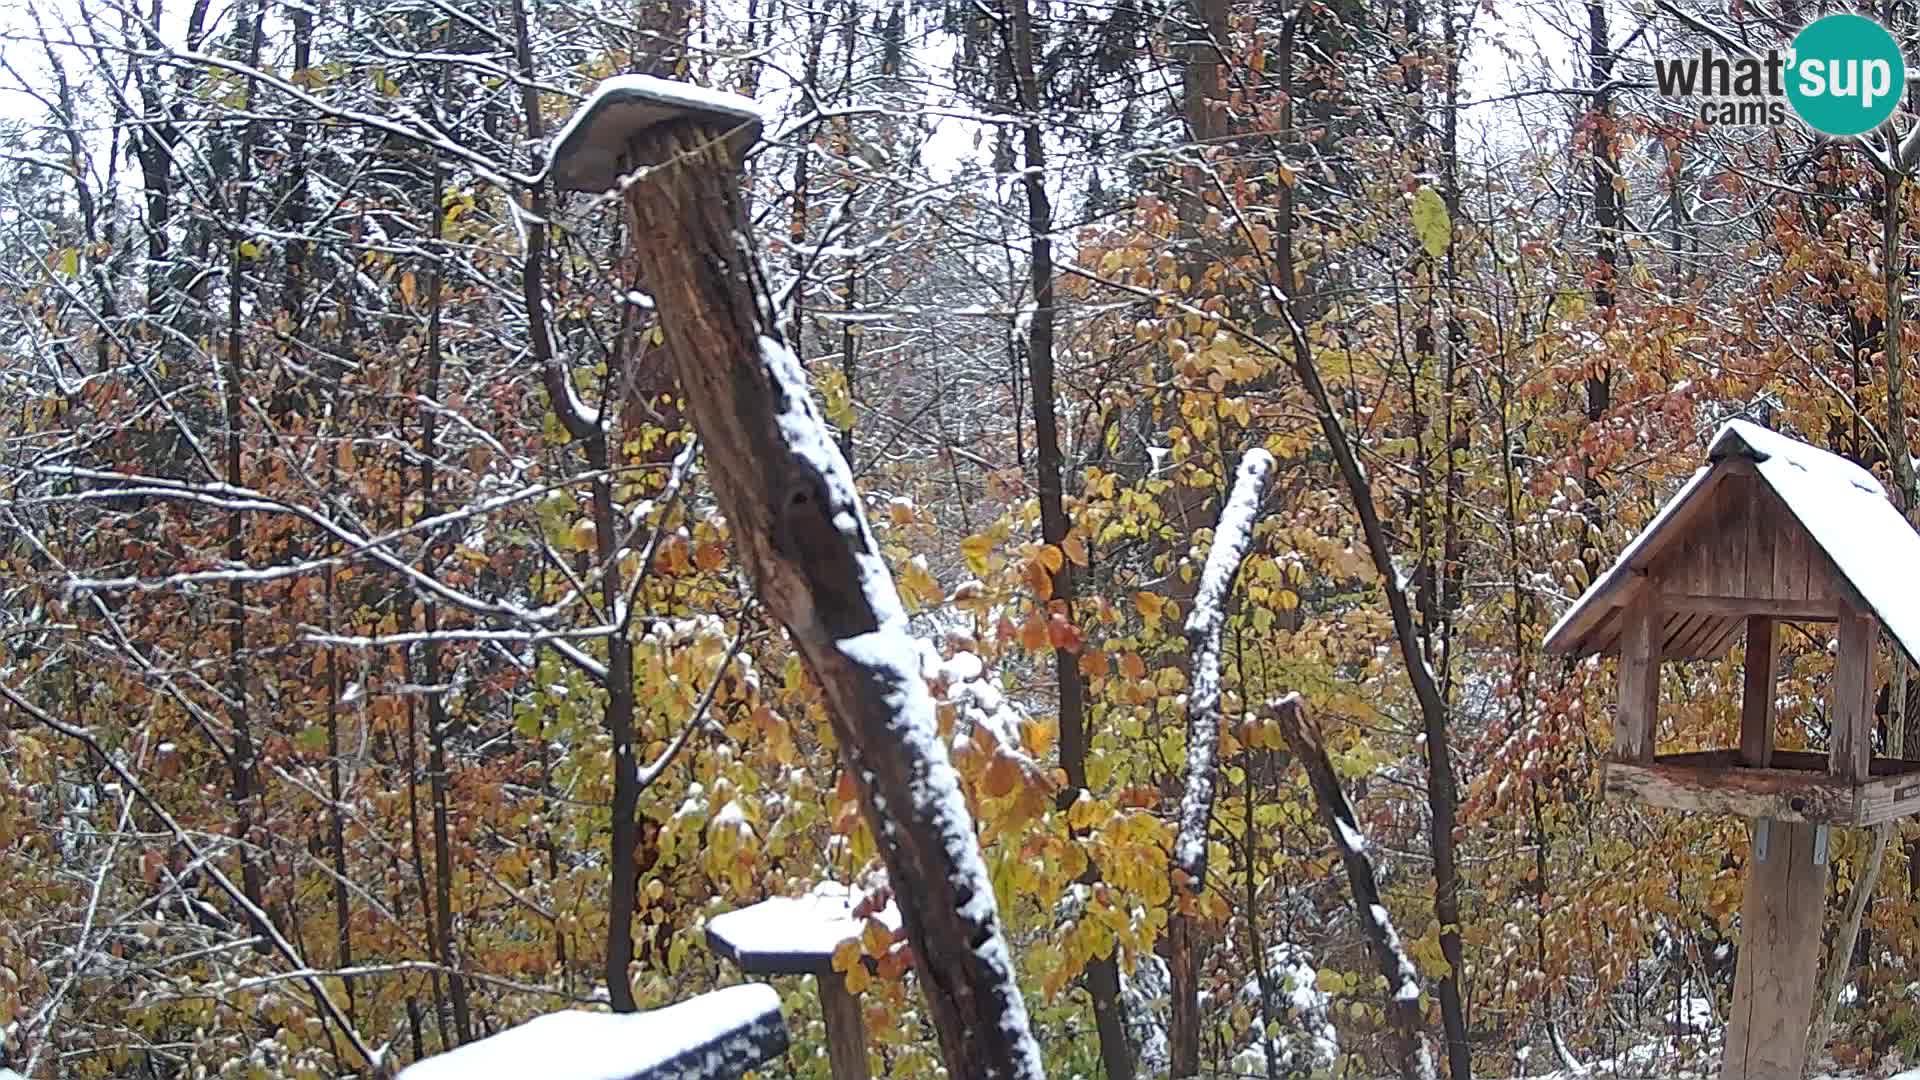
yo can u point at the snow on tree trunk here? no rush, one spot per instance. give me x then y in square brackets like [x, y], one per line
[797, 522]
[1231, 538]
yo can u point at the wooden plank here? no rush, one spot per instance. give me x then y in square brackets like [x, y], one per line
[1742, 792]
[1756, 692]
[715, 1036]
[1806, 761]
[1889, 798]
[1742, 606]
[846, 1029]
[1729, 552]
[1639, 680]
[1762, 527]
[1677, 630]
[1779, 965]
[1724, 639]
[1705, 759]
[1850, 742]
[1699, 643]
[1789, 552]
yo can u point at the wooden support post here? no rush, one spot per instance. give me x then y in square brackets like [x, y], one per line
[1633, 723]
[1773, 983]
[1850, 745]
[1756, 695]
[846, 1028]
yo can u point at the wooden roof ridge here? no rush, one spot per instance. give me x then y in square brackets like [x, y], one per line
[1871, 548]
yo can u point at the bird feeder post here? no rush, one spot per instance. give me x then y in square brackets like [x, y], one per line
[1770, 531]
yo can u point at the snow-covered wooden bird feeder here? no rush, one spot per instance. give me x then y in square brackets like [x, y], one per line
[1770, 531]
[798, 935]
[597, 146]
[717, 1036]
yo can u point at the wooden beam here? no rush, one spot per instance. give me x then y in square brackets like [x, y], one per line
[1774, 979]
[1633, 731]
[1756, 693]
[1743, 606]
[846, 1028]
[1725, 789]
[1850, 743]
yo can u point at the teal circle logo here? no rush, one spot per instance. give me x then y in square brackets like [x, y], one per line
[1846, 75]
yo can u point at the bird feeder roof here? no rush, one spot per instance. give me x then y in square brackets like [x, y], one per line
[591, 152]
[1857, 548]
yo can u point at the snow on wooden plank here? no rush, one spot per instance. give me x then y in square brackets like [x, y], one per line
[722, 1034]
[590, 153]
[793, 935]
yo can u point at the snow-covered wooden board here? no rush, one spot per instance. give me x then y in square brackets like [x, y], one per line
[792, 935]
[710, 1037]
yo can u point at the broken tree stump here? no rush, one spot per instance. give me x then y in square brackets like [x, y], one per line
[799, 528]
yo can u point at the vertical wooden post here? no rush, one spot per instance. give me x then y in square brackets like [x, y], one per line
[846, 1028]
[1774, 981]
[1850, 746]
[1756, 694]
[1638, 711]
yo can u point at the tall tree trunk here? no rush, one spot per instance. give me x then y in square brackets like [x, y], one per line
[589, 426]
[1605, 173]
[245, 775]
[1442, 792]
[436, 676]
[1102, 972]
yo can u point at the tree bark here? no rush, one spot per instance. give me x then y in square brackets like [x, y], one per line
[1208, 616]
[1102, 972]
[800, 530]
[1303, 735]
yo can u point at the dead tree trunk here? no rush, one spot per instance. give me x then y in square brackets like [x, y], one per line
[1230, 542]
[1303, 735]
[799, 528]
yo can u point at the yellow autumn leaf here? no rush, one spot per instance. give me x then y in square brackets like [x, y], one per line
[1431, 223]
[1149, 605]
[1050, 557]
[976, 548]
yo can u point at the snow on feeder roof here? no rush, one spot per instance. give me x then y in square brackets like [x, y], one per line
[716, 1035]
[1770, 526]
[591, 152]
